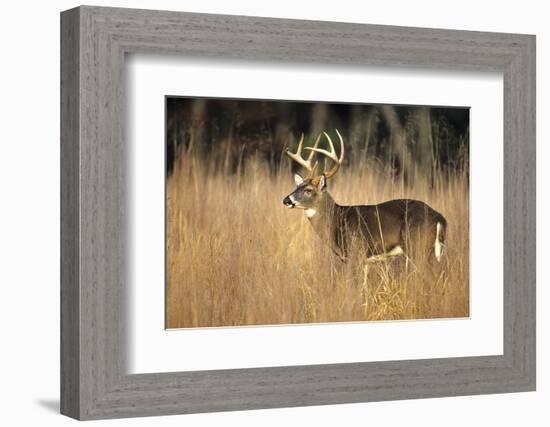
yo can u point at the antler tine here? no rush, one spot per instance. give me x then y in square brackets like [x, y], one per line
[331, 154]
[310, 157]
[341, 160]
[297, 157]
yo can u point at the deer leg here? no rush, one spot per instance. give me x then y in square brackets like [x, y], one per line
[395, 251]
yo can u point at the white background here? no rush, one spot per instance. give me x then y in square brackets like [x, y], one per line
[29, 214]
[152, 349]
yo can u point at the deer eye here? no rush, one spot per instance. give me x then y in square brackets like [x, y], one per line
[308, 191]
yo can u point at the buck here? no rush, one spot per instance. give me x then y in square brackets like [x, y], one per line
[381, 231]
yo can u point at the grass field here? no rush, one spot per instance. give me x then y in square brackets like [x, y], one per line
[237, 256]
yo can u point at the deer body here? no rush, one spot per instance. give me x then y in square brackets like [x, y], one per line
[379, 231]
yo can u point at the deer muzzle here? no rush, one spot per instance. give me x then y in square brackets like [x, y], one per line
[288, 202]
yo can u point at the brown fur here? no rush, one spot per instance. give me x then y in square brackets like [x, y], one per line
[372, 229]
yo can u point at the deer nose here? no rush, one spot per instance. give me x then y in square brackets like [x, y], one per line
[287, 201]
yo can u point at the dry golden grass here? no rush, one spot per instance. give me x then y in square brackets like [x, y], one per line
[237, 256]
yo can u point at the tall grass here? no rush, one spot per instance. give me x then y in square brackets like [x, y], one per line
[237, 256]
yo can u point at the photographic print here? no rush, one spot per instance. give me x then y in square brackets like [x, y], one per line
[293, 212]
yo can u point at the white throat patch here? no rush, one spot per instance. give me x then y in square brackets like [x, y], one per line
[310, 213]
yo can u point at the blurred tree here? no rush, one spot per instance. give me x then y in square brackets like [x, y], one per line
[412, 141]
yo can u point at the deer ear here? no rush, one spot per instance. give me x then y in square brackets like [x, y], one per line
[298, 180]
[322, 186]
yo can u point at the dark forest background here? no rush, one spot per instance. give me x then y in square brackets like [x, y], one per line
[410, 142]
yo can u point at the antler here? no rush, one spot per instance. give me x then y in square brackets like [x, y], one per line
[297, 157]
[330, 154]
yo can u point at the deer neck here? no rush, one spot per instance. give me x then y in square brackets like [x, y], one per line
[321, 215]
[323, 221]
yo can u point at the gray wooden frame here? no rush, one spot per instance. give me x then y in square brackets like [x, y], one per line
[94, 382]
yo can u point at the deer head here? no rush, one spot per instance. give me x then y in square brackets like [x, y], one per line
[311, 191]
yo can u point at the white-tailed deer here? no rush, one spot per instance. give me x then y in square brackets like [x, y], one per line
[380, 231]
